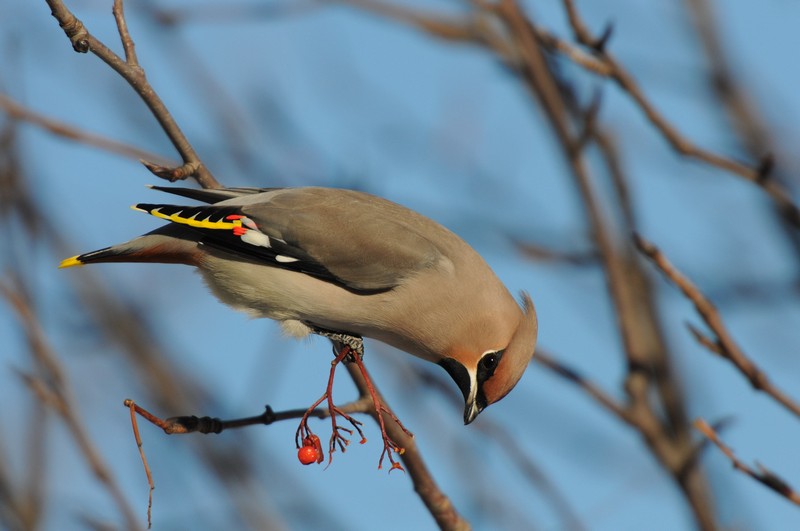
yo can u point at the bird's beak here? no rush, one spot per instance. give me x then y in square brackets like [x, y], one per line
[471, 411]
[466, 382]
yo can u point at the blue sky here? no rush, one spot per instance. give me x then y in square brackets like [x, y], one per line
[335, 97]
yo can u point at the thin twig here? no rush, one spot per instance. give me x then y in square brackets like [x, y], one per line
[674, 137]
[743, 114]
[646, 353]
[602, 63]
[18, 112]
[541, 253]
[124, 35]
[129, 328]
[436, 501]
[135, 425]
[590, 388]
[512, 446]
[763, 475]
[83, 41]
[53, 390]
[192, 424]
[727, 346]
[206, 425]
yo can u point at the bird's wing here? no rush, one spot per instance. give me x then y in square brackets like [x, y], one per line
[360, 242]
[210, 195]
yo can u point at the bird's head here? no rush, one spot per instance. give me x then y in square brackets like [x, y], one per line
[486, 377]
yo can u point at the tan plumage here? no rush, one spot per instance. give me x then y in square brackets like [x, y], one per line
[349, 262]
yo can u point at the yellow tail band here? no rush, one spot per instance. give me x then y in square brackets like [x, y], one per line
[70, 262]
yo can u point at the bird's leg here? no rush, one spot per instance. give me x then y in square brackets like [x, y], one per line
[389, 446]
[340, 339]
[305, 437]
[350, 349]
[356, 344]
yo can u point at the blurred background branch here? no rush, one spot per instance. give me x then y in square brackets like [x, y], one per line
[544, 133]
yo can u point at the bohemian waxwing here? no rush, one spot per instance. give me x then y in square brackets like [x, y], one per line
[324, 259]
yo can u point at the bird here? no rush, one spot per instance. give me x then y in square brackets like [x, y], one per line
[347, 264]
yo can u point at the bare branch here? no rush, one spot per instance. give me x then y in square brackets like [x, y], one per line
[544, 254]
[590, 388]
[83, 41]
[726, 346]
[53, 390]
[602, 63]
[124, 324]
[763, 475]
[437, 502]
[512, 446]
[676, 139]
[18, 112]
[124, 34]
[171, 173]
[192, 424]
[744, 116]
[646, 353]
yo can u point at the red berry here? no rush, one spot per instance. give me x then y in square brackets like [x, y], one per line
[307, 454]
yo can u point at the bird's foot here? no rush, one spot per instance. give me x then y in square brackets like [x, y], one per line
[350, 349]
[390, 447]
[340, 436]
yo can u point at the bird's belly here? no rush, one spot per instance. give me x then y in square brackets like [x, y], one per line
[294, 299]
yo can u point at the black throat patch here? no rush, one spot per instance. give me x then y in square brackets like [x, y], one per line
[459, 374]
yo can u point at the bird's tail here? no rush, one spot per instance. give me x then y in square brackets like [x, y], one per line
[171, 244]
[165, 246]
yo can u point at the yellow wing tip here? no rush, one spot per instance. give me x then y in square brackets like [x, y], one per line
[70, 262]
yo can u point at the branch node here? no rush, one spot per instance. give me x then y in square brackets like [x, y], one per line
[599, 44]
[763, 475]
[791, 213]
[76, 32]
[268, 416]
[773, 481]
[178, 173]
[589, 122]
[644, 246]
[714, 346]
[765, 168]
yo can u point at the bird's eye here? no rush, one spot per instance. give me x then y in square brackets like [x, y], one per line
[489, 361]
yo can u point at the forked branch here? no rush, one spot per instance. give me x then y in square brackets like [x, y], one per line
[724, 345]
[130, 70]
